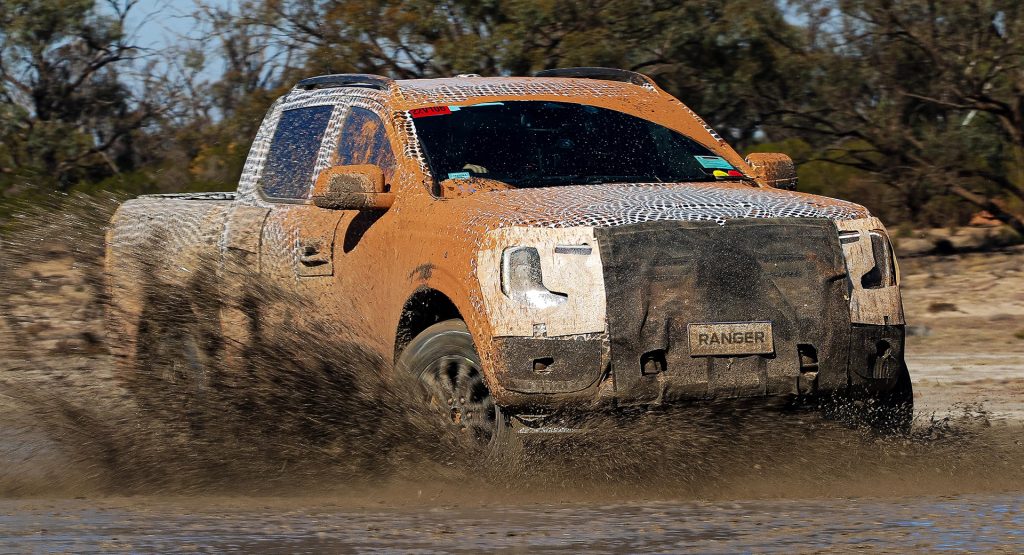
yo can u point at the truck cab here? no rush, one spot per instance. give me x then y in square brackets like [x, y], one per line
[520, 245]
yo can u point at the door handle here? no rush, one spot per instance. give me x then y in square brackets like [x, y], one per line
[311, 254]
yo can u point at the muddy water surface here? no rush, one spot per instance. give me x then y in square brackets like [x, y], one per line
[988, 523]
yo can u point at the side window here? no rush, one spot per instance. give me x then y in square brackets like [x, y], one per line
[288, 171]
[365, 141]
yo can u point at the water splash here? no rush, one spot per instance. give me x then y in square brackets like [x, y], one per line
[293, 416]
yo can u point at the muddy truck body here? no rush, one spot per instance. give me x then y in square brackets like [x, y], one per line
[579, 238]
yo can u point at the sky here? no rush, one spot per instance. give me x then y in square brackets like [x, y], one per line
[157, 24]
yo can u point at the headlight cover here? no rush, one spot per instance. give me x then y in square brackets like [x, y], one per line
[548, 279]
[873, 272]
[523, 280]
[883, 274]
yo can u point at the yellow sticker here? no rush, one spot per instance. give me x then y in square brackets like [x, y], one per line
[720, 173]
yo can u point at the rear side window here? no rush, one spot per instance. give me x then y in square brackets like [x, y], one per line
[365, 141]
[288, 172]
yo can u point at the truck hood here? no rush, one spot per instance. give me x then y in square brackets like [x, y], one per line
[610, 205]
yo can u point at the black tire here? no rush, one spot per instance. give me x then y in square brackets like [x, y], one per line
[893, 411]
[444, 362]
[890, 412]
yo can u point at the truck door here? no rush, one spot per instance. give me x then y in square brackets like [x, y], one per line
[303, 246]
[297, 237]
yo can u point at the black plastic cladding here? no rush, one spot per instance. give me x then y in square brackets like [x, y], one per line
[347, 80]
[660, 276]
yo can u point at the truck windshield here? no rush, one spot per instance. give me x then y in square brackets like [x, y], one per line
[542, 144]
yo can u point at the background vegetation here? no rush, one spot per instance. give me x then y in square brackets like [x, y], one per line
[912, 107]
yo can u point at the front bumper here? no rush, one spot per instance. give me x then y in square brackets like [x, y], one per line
[661, 276]
[869, 359]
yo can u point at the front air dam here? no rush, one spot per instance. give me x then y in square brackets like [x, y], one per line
[661, 277]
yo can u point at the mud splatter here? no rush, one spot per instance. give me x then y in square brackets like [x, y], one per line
[287, 416]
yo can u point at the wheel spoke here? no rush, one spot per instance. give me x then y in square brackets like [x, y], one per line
[451, 378]
[477, 389]
[436, 379]
[464, 380]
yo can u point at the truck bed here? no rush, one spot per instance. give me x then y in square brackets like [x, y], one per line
[157, 244]
[194, 196]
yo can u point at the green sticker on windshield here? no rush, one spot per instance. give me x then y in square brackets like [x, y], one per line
[714, 162]
[458, 175]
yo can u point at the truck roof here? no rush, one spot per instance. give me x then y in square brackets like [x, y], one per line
[458, 89]
[477, 81]
[579, 82]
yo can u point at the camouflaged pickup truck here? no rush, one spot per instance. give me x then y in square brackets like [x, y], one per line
[518, 245]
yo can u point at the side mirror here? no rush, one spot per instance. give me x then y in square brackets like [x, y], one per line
[358, 187]
[773, 169]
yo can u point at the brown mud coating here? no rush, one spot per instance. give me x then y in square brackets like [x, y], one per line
[374, 266]
[326, 456]
[304, 406]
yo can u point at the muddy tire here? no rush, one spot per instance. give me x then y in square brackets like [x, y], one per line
[888, 413]
[893, 411]
[446, 367]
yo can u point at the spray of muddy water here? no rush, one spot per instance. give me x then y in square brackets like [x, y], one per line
[295, 413]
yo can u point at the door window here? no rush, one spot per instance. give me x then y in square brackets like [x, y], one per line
[288, 172]
[365, 141]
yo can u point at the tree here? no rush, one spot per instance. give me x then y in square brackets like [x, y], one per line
[927, 95]
[702, 51]
[67, 115]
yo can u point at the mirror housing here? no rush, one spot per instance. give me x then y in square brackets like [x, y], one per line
[357, 187]
[773, 169]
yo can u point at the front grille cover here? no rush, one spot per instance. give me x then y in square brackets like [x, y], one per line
[660, 276]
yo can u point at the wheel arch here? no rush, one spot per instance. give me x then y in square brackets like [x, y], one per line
[424, 308]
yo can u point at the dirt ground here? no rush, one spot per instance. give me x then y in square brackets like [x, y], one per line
[966, 319]
[83, 469]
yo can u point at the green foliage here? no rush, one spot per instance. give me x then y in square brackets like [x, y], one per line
[910, 107]
[67, 116]
[705, 52]
[921, 94]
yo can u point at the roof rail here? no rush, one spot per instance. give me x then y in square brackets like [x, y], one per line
[604, 73]
[364, 80]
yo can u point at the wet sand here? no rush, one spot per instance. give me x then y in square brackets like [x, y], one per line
[967, 316]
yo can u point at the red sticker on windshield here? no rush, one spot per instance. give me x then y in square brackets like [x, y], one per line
[431, 111]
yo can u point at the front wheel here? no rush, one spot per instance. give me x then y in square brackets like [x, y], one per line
[890, 412]
[894, 409]
[445, 364]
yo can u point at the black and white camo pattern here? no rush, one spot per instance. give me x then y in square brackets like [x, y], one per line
[174, 230]
[444, 91]
[425, 92]
[591, 205]
[623, 204]
[343, 99]
[711, 131]
[195, 196]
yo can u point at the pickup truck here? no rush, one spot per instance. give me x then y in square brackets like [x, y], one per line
[519, 246]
